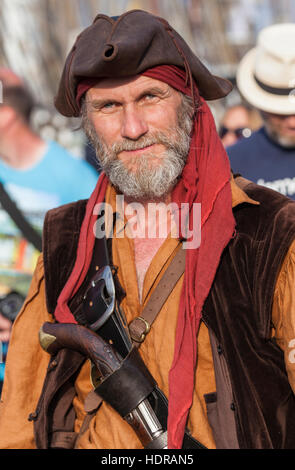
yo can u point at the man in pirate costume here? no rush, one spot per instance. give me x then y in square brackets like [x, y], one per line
[220, 346]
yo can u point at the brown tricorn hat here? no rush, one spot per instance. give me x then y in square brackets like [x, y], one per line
[127, 45]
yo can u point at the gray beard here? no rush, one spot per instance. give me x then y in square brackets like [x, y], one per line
[286, 142]
[146, 181]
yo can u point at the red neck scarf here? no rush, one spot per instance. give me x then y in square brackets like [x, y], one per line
[206, 180]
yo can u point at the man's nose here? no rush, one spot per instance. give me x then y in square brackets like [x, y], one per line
[134, 124]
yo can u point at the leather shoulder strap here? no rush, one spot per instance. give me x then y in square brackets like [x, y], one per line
[19, 219]
[140, 326]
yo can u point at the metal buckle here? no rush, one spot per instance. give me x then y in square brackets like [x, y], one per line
[147, 328]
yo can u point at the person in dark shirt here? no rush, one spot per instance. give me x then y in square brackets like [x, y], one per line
[266, 80]
[238, 122]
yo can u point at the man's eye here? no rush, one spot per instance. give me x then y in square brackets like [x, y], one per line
[149, 96]
[108, 106]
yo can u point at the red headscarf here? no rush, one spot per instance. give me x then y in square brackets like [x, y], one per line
[205, 180]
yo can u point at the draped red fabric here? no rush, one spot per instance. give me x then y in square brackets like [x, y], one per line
[205, 180]
[84, 253]
[84, 86]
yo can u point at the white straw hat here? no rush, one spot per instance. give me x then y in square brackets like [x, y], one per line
[266, 74]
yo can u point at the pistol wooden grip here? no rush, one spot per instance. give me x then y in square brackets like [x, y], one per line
[56, 336]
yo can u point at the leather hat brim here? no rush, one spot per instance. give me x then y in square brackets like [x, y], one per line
[126, 47]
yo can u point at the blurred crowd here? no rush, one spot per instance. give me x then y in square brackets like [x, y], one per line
[264, 151]
[36, 175]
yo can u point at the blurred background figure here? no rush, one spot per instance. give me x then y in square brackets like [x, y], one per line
[266, 79]
[35, 176]
[90, 156]
[238, 122]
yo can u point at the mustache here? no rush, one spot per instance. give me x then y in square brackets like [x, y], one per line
[145, 182]
[145, 141]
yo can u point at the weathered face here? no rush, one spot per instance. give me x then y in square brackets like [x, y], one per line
[139, 132]
[281, 128]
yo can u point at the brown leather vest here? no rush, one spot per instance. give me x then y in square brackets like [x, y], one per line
[237, 313]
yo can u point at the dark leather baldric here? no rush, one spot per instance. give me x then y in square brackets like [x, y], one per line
[128, 386]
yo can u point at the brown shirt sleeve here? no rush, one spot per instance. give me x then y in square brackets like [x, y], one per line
[283, 312]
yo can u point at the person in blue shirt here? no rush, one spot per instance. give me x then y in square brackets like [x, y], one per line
[38, 176]
[266, 79]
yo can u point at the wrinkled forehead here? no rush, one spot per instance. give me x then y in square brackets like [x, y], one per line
[110, 83]
[128, 87]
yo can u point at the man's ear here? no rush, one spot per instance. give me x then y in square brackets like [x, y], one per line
[7, 115]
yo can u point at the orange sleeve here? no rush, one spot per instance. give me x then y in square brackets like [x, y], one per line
[283, 312]
[25, 369]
